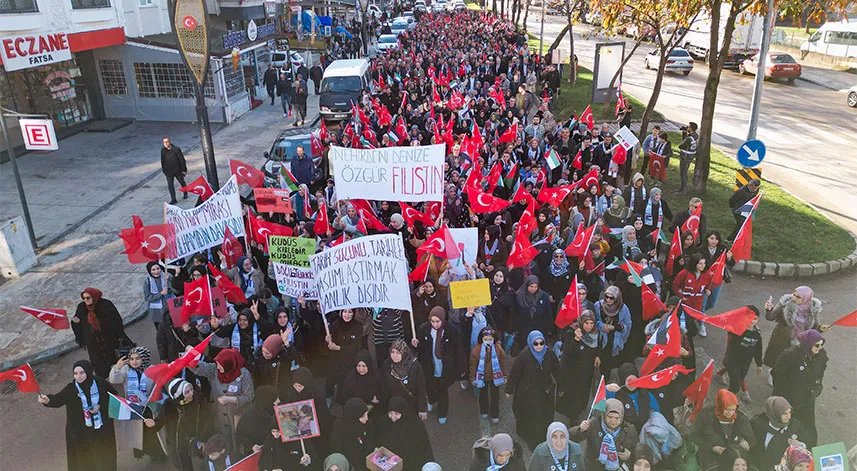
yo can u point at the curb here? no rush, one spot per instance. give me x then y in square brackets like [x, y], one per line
[796, 270]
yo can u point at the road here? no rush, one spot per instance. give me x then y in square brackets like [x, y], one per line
[809, 131]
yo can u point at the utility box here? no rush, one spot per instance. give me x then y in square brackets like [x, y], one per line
[16, 251]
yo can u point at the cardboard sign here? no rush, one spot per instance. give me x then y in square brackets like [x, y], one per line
[369, 271]
[297, 420]
[389, 174]
[290, 258]
[626, 138]
[470, 293]
[202, 227]
[830, 457]
[467, 240]
[272, 200]
[218, 300]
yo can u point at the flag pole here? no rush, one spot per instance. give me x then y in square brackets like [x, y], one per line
[592, 407]
[210, 301]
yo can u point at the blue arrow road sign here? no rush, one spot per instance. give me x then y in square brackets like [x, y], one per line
[751, 153]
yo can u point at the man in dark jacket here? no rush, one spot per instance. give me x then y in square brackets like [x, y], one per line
[284, 91]
[315, 74]
[689, 143]
[302, 167]
[299, 100]
[174, 167]
[270, 81]
[683, 216]
[741, 196]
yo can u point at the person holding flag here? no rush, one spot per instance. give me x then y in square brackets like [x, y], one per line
[794, 313]
[738, 202]
[609, 439]
[712, 249]
[691, 284]
[580, 360]
[722, 431]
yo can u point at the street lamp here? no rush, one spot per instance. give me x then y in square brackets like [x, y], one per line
[190, 25]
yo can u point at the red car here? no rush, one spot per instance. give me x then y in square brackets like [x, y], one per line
[778, 65]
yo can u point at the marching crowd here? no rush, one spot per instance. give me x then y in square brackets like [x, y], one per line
[379, 373]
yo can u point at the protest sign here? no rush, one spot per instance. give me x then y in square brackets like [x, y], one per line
[203, 227]
[467, 240]
[272, 200]
[470, 293]
[626, 138]
[297, 420]
[369, 271]
[830, 457]
[290, 257]
[218, 301]
[390, 173]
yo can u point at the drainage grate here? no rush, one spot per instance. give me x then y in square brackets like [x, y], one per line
[8, 387]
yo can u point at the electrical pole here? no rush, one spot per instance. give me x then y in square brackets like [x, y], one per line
[11, 149]
[760, 71]
[542, 30]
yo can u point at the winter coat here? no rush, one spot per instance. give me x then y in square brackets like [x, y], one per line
[782, 337]
[172, 161]
[163, 281]
[708, 432]
[481, 460]
[797, 375]
[533, 387]
[542, 460]
[452, 359]
[594, 435]
[766, 456]
[101, 344]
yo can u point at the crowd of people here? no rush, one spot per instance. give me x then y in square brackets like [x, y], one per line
[374, 383]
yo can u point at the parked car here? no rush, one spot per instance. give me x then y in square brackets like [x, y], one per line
[852, 97]
[283, 150]
[420, 5]
[373, 11]
[398, 26]
[438, 5]
[278, 59]
[387, 42]
[833, 38]
[778, 65]
[679, 60]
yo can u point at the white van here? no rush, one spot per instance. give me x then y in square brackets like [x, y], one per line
[833, 39]
[342, 83]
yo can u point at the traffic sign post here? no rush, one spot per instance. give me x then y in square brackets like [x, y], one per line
[751, 153]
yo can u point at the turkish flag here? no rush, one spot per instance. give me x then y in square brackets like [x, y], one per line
[411, 215]
[233, 293]
[620, 154]
[474, 178]
[510, 135]
[586, 117]
[692, 223]
[590, 179]
[435, 96]
[420, 272]
[657, 166]
[522, 252]
[441, 244]
[620, 101]
[652, 304]
[481, 202]
[23, 377]
[162, 373]
[675, 252]
[494, 176]
[322, 223]
[736, 321]
[197, 299]
[664, 343]
[371, 221]
[322, 131]
[456, 100]
[231, 248]
[579, 247]
[401, 129]
[432, 208]
[717, 269]
[698, 390]
[742, 246]
[315, 145]
[527, 223]
[476, 136]
[260, 230]
[555, 196]
[245, 173]
[199, 187]
[145, 244]
[520, 194]
[53, 318]
[569, 311]
[578, 160]
[659, 378]
[249, 463]
[848, 320]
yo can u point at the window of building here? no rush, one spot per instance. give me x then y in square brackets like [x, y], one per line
[145, 80]
[86, 4]
[113, 77]
[18, 6]
[165, 80]
[145, 3]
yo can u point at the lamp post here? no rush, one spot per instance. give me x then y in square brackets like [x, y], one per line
[10, 148]
[190, 26]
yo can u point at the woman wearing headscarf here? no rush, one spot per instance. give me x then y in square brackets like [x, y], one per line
[343, 343]
[347, 222]
[488, 372]
[794, 313]
[157, 289]
[493, 251]
[302, 203]
[497, 453]
[613, 320]
[557, 453]
[581, 348]
[401, 431]
[609, 440]
[618, 215]
[532, 382]
[796, 458]
[303, 387]
[661, 438]
[247, 334]
[246, 276]
[98, 328]
[361, 381]
[797, 377]
[187, 421]
[775, 429]
[253, 429]
[583, 212]
[425, 298]
[89, 438]
[453, 207]
[439, 352]
[336, 462]
[231, 388]
[354, 434]
[291, 455]
[502, 306]
[639, 403]
[402, 375]
[558, 278]
[128, 372]
[720, 430]
[277, 360]
[534, 311]
[629, 246]
[655, 211]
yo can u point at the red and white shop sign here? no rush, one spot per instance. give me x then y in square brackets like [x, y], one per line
[33, 50]
[39, 134]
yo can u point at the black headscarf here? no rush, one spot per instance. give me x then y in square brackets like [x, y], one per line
[363, 386]
[90, 374]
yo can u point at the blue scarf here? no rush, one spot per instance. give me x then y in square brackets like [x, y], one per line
[648, 219]
[494, 466]
[87, 403]
[495, 367]
[135, 386]
[609, 456]
[236, 337]
[532, 337]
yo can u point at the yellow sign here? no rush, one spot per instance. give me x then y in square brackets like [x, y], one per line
[470, 293]
[744, 175]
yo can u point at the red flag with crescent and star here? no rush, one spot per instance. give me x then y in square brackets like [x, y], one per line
[260, 230]
[659, 378]
[652, 304]
[371, 221]
[569, 311]
[586, 117]
[664, 343]
[322, 223]
[232, 250]
[420, 272]
[522, 252]
[24, 378]
[579, 247]
[411, 215]
[481, 202]
[441, 244]
[590, 179]
[675, 252]
[848, 320]
[555, 196]
[145, 244]
[743, 244]
[736, 321]
[197, 299]
[162, 373]
[199, 187]
[53, 318]
[692, 223]
[249, 463]
[657, 166]
[245, 173]
[698, 390]
[233, 293]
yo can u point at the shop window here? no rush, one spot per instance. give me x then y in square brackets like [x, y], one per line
[87, 4]
[113, 77]
[165, 80]
[145, 80]
[18, 6]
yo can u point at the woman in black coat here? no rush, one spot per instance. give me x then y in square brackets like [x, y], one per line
[797, 377]
[532, 382]
[343, 343]
[303, 387]
[252, 430]
[402, 375]
[534, 312]
[581, 348]
[439, 352]
[98, 328]
[89, 437]
[778, 422]
[402, 432]
[558, 278]
[502, 308]
[353, 433]
[424, 299]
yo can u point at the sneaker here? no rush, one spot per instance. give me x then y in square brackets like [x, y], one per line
[463, 385]
[495, 420]
[483, 416]
[441, 420]
[430, 407]
[745, 396]
[702, 332]
[285, 115]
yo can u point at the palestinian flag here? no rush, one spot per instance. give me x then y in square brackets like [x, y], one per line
[552, 158]
[600, 401]
[287, 180]
[121, 409]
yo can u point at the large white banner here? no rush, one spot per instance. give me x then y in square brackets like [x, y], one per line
[389, 174]
[202, 227]
[368, 271]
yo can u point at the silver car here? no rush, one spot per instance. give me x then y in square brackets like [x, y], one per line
[852, 97]
[678, 61]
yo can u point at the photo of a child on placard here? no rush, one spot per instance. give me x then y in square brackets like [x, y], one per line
[297, 420]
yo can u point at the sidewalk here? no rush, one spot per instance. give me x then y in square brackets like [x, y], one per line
[82, 195]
